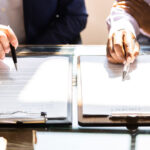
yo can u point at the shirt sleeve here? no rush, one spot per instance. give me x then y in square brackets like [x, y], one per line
[119, 19]
[70, 20]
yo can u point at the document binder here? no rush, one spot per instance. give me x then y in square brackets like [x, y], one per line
[99, 104]
[40, 92]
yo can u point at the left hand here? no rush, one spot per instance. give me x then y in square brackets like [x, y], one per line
[139, 9]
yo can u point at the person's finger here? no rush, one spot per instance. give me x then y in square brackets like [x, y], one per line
[118, 45]
[2, 53]
[4, 42]
[136, 49]
[109, 57]
[10, 35]
[112, 51]
[129, 45]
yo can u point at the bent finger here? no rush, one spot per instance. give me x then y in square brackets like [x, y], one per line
[136, 49]
[10, 35]
[109, 57]
[129, 45]
[112, 51]
[2, 53]
[4, 42]
[118, 45]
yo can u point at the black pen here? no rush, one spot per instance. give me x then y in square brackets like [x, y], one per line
[14, 57]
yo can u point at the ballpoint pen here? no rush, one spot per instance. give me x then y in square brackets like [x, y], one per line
[126, 69]
[14, 57]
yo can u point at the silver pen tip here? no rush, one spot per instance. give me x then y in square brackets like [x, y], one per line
[16, 66]
[124, 75]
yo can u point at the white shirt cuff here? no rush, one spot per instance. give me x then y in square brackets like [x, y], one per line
[126, 25]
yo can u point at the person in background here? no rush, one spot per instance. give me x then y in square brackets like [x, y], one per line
[129, 26]
[40, 22]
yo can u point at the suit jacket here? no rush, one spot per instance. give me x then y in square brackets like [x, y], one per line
[54, 21]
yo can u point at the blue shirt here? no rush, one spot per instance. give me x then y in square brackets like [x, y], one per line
[54, 21]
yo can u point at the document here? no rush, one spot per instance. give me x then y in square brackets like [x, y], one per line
[41, 84]
[104, 92]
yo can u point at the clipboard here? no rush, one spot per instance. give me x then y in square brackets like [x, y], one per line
[17, 87]
[104, 115]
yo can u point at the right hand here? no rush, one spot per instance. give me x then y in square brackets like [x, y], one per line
[7, 36]
[122, 46]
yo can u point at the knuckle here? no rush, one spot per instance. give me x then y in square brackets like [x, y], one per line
[111, 60]
[6, 47]
[3, 38]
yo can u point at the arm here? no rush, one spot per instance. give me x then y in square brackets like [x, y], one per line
[122, 46]
[120, 19]
[139, 10]
[65, 28]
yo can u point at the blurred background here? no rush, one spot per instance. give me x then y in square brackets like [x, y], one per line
[96, 30]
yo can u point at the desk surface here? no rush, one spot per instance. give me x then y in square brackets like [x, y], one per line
[75, 137]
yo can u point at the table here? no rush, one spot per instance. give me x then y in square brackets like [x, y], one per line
[75, 137]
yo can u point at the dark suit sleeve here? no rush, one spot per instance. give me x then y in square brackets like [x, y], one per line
[70, 20]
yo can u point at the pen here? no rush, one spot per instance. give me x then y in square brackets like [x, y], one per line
[126, 69]
[14, 57]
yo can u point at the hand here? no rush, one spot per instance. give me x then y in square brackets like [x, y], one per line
[6, 36]
[121, 47]
[139, 9]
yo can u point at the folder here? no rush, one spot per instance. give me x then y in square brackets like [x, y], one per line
[40, 92]
[105, 100]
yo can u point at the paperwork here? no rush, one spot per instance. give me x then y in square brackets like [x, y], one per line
[104, 92]
[41, 84]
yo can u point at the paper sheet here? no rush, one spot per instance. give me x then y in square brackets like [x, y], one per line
[82, 140]
[104, 92]
[41, 84]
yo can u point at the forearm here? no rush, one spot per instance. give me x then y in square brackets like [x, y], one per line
[119, 19]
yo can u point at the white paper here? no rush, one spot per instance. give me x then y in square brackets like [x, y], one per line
[41, 84]
[104, 92]
[81, 140]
